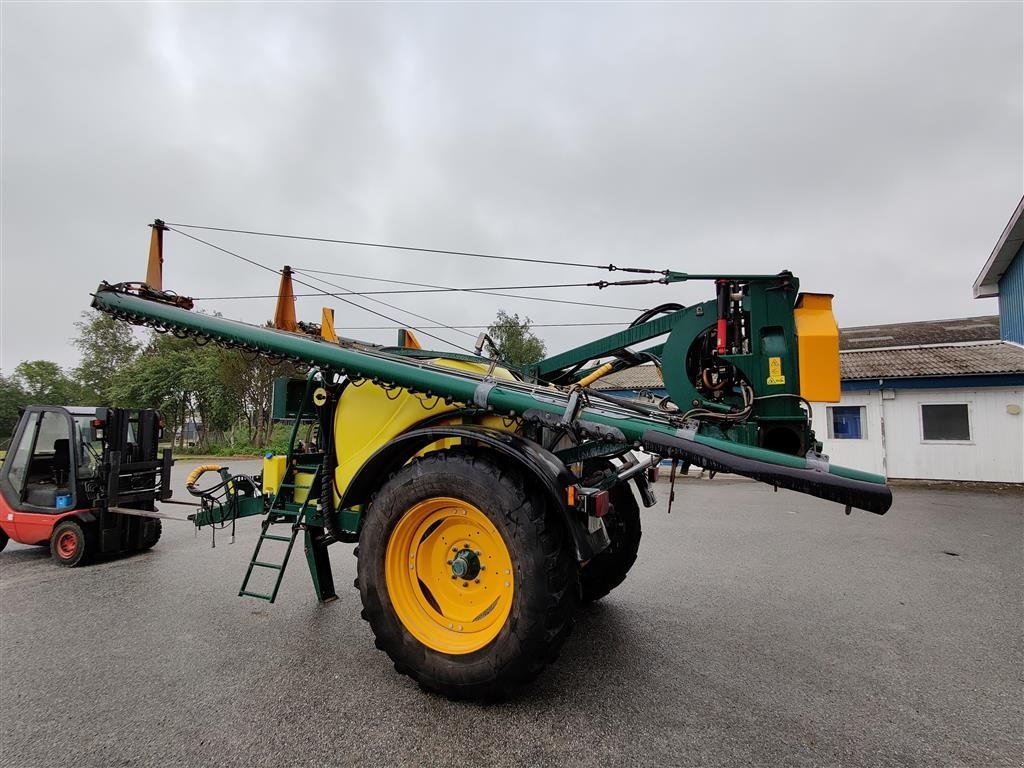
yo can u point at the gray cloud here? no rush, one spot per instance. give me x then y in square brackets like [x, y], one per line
[874, 149]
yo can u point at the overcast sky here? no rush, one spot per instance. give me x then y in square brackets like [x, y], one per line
[873, 149]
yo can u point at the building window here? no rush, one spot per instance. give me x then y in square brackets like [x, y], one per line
[846, 422]
[946, 422]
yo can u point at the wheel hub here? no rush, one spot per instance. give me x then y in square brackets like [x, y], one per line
[67, 543]
[466, 565]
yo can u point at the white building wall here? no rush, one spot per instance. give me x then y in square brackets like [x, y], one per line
[868, 453]
[893, 444]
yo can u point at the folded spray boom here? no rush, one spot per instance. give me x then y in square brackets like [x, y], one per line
[721, 420]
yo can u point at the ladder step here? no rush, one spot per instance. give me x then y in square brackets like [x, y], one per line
[274, 537]
[254, 594]
[261, 564]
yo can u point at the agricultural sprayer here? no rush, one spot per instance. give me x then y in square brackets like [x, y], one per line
[487, 500]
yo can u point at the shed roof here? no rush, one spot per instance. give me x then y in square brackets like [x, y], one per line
[638, 377]
[955, 331]
[1007, 247]
[914, 362]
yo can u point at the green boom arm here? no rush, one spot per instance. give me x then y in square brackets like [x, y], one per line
[659, 433]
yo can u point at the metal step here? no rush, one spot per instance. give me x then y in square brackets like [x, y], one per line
[268, 598]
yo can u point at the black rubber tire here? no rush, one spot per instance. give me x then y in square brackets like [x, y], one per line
[606, 571]
[544, 599]
[4, 538]
[85, 545]
[158, 529]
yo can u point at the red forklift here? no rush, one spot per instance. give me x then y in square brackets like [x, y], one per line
[84, 481]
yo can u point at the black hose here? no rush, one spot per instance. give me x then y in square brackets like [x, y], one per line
[327, 480]
[871, 497]
[661, 309]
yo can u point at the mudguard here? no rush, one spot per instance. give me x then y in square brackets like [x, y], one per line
[551, 474]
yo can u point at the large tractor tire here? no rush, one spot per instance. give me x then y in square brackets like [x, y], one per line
[72, 543]
[606, 571]
[465, 575]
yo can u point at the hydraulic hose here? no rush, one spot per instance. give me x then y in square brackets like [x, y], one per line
[849, 492]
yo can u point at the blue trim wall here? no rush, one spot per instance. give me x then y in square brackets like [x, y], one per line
[938, 382]
[1011, 301]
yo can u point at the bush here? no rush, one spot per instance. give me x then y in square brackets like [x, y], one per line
[278, 443]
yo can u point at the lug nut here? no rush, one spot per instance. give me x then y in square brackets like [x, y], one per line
[449, 562]
[476, 581]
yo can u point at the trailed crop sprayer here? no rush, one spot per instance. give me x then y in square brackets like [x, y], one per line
[487, 500]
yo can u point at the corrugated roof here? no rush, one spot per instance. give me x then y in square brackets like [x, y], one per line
[961, 329]
[639, 377]
[915, 362]
[901, 363]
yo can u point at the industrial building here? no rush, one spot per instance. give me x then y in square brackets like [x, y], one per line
[935, 400]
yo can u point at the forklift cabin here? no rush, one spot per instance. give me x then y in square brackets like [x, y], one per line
[84, 480]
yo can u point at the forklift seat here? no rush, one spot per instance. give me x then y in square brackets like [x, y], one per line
[61, 461]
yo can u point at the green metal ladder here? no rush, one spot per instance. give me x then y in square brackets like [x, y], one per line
[278, 514]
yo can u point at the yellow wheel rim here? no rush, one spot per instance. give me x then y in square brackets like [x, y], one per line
[449, 575]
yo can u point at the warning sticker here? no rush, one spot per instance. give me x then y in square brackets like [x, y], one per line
[775, 371]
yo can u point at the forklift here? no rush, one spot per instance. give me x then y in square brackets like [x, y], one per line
[84, 481]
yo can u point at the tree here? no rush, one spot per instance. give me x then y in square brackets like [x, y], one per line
[45, 383]
[513, 342]
[250, 379]
[12, 397]
[182, 380]
[108, 347]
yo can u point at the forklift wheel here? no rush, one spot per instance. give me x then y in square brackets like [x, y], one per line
[3, 539]
[154, 535]
[69, 544]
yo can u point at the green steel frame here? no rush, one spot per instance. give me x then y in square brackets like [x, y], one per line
[391, 371]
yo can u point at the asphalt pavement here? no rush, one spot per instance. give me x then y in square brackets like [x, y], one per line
[757, 628]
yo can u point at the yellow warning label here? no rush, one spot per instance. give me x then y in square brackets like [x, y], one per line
[775, 371]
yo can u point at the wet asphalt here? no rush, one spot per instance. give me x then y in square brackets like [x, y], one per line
[758, 628]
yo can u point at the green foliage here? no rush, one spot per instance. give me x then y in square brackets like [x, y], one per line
[180, 379]
[513, 341]
[222, 389]
[237, 444]
[38, 382]
[12, 396]
[108, 347]
[45, 383]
